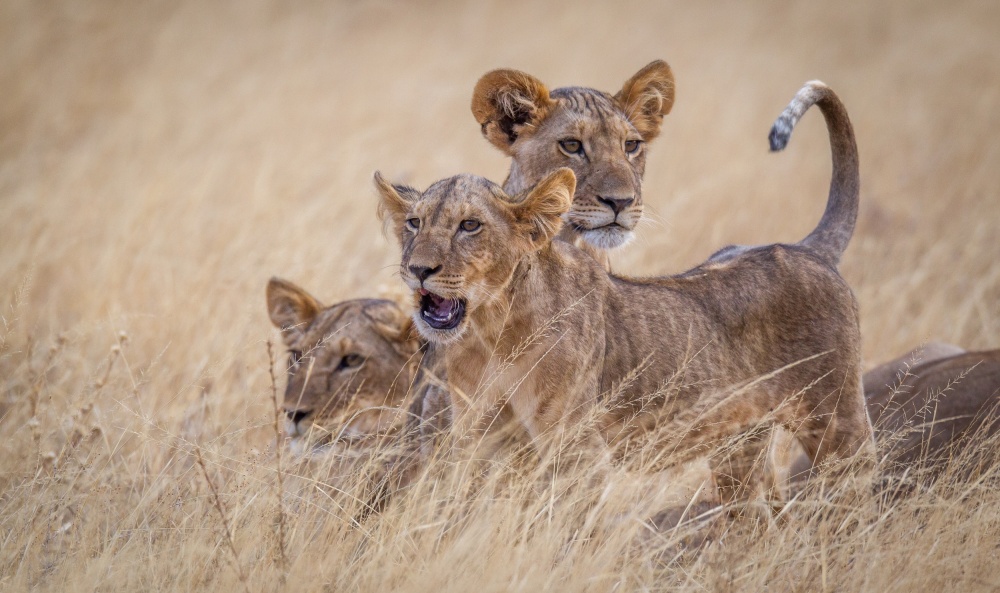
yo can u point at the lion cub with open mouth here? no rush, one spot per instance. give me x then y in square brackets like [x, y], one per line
[536, 332]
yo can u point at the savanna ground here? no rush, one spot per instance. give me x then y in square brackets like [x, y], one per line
[160, 160]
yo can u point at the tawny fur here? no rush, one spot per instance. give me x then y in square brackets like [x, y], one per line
[350, 366]
[755, 334]
[519, 115]
[931, 407]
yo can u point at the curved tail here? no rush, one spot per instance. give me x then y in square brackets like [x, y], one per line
[830, 237]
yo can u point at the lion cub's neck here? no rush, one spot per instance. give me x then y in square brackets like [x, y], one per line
[517, 181]
[531, 312]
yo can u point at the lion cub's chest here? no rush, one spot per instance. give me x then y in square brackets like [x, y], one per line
[531, 384]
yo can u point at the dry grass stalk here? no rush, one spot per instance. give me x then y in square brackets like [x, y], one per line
[217, 501]
[279, 447]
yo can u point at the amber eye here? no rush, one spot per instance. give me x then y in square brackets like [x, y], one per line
[571, 146]
[351, 361]
[413, 224]
[470, 226]
[632, 146]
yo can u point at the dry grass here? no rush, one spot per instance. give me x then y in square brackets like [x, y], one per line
[159, 161]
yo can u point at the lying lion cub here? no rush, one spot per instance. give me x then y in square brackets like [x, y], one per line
[537, 332]
[933, 406]
[349, 369]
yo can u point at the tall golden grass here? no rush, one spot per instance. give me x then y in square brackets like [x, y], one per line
[159, 161]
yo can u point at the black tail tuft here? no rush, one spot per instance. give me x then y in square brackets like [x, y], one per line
[781, 131]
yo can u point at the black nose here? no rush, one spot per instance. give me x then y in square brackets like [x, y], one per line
[616, 204]
[423, 273]
[296, 415]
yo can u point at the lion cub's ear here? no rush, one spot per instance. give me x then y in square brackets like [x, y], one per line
[505, 102]
[394, 201]
[545, 203]
[291, 308]
[647, 97]
[393, 324]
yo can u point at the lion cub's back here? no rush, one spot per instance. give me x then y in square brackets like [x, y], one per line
[779, 291]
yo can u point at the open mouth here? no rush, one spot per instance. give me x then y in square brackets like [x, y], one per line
[439, 312]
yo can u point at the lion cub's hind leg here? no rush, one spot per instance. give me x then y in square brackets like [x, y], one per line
[748, 479]
[839, 440]
[842, 433]
[829, 420]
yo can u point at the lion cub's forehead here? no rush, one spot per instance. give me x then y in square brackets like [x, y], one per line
[459, 197]
[586, 111]
[340, 328]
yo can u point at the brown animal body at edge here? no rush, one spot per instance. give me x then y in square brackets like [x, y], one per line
[536, 332]
[929, 410]
[926, 407]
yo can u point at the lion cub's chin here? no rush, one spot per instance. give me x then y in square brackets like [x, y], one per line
[438, 318]
[609, 236]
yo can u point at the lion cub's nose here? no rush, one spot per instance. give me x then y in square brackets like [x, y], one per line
[296, 415]
[616, 204]
[423, 273]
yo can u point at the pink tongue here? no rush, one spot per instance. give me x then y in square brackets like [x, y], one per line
[442, 306]
[423, 292]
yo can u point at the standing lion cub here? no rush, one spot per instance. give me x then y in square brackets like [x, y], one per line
[538, 333]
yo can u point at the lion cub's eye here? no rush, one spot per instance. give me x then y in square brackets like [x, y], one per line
[413, 224]
[632, 146]
[294, 356]
[470, 226]
[571, 146]
[351, 361]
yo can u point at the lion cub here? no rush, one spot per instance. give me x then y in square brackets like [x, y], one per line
[538, 332]
[350, 366]
[600, 136]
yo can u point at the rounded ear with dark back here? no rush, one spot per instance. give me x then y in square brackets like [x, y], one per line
[647, 97]
[544, 204]
[506, 102]
[291, 308]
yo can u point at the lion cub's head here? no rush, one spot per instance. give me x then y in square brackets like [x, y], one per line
[463, 240]
[349, 365]
[601, 137]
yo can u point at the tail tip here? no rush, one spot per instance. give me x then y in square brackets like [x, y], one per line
[781, 131]
[809, 94]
